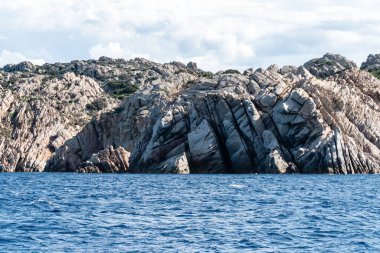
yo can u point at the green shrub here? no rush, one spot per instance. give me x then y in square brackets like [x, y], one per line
[207, 74]
[120, 96]
[125, 90]
[231, 71]
[375, 72]
[97, 105]
[91, 107]
[121, 89]
[113, 85]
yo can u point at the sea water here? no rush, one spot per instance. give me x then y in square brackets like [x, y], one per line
[193, 213]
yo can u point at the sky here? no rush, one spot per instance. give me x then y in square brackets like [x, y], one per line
[216, 34]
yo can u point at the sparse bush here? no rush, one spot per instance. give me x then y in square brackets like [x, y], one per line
[120, 96]
[97, 104]
[207, 74]
[231, 71]
[375, 72]
[121, 89]
[91, 107]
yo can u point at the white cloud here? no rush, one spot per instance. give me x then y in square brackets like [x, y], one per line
[237, 34]
[8, 57]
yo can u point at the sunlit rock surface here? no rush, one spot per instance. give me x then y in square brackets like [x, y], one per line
[142, 117]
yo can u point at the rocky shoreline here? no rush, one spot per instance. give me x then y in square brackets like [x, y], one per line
[136, 116]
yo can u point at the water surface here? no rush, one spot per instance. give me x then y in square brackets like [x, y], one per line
[194, 213]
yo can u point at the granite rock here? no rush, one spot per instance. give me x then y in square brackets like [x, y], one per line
[322, 117]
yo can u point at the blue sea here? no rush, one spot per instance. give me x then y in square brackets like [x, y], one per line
[192, 213]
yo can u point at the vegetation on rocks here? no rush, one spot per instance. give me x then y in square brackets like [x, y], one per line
[231, 71]
[207, 74]
[121, 89]
[375, 72]
[97, 105]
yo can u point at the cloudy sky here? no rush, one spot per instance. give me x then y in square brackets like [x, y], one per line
[217, 34]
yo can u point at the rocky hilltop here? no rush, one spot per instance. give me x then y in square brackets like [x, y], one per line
[113, 115]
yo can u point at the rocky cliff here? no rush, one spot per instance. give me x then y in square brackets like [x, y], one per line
[138, 116]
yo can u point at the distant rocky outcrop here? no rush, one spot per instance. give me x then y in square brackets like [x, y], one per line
[136, 116]
[329, 64]
[373, 62]
[21, 67]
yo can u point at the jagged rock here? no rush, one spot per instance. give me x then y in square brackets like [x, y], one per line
[372, 62]
[174, 165]
[274, 162]
[249, 72]
[328, 65]
[318, 118]
[288, 69]
[105, 59]
[109, 160]
[192, 65]
[22, 67]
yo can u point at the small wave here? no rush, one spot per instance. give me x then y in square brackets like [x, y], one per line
[238, 186]
[45, 204]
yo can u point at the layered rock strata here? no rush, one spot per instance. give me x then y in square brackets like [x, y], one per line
[322, 117]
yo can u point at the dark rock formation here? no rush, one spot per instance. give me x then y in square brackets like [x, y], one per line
[22, 67]
[373, 62]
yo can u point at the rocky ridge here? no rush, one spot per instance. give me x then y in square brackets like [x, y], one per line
[112, 115]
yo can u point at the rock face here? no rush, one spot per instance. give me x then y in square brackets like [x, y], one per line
[322, 117]
[373, 62]
[38, 114]
[109, 160]
[328, 65]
